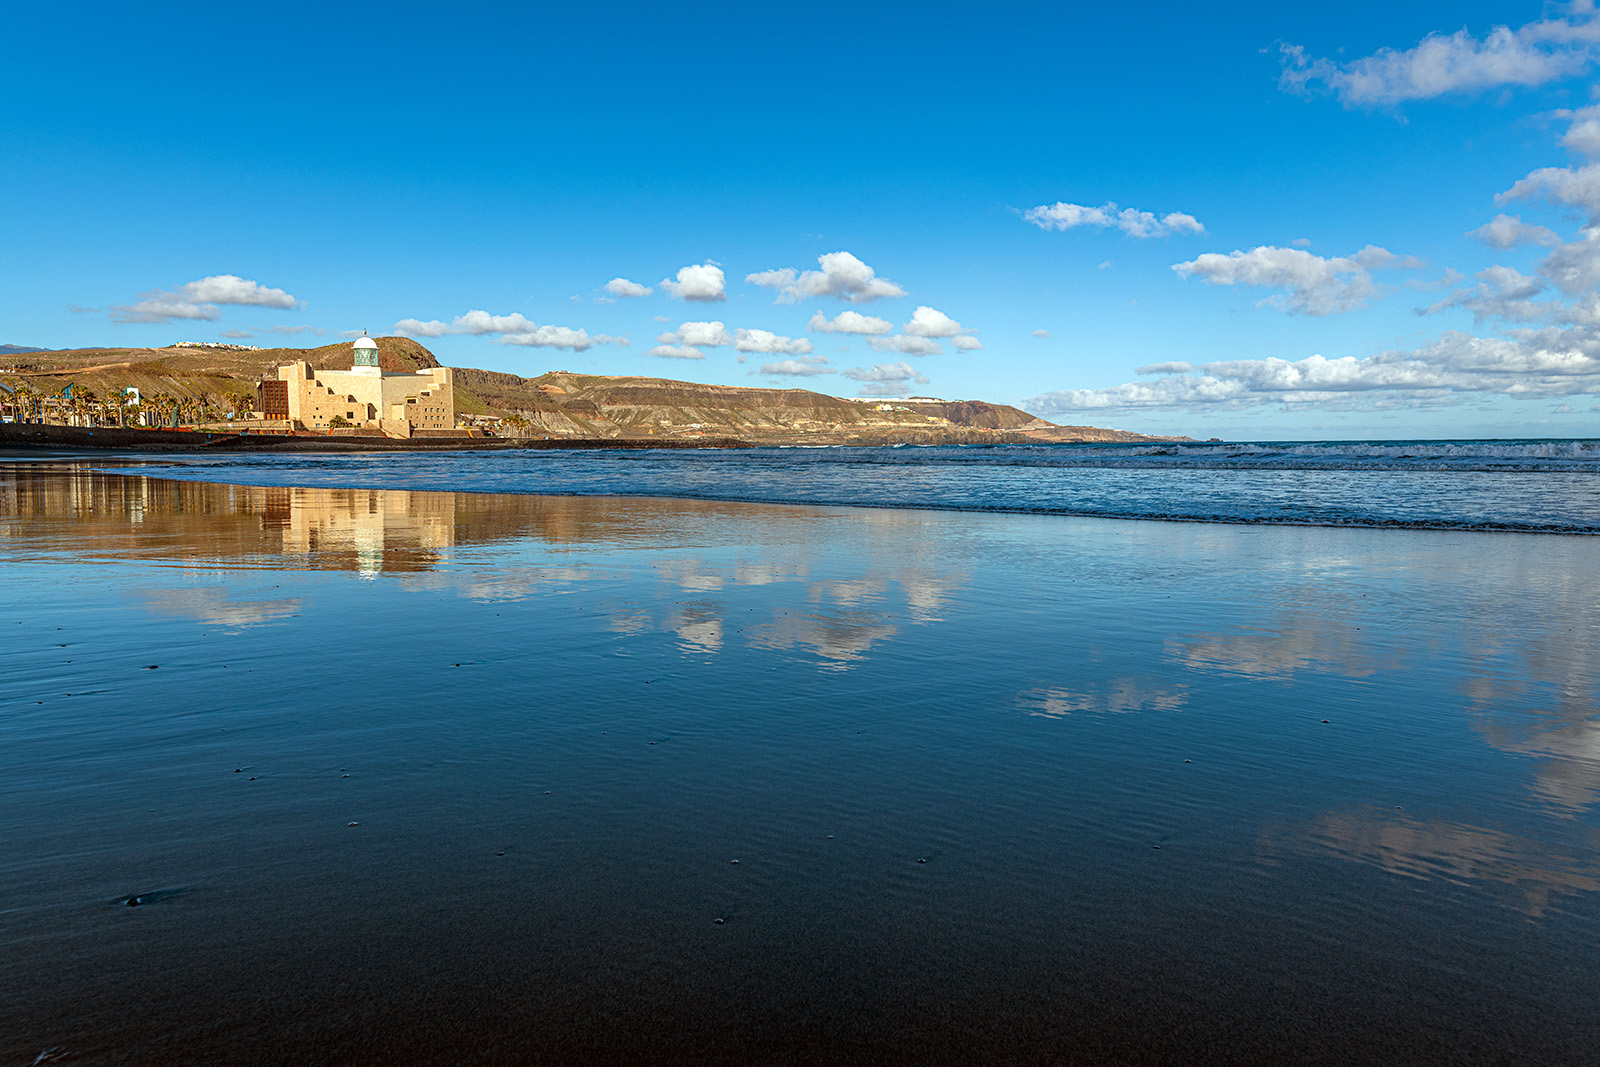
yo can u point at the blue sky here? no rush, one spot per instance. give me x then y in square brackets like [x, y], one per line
[1303, 242]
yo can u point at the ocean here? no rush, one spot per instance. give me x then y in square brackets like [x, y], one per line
[1546, 486]
[902, 756]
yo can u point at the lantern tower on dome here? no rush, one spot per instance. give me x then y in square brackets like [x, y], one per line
[364, 359]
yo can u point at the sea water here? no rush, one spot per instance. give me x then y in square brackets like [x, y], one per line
[1549, 486]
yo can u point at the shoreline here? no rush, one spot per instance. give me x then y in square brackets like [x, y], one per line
[31, 435]
[131, 465]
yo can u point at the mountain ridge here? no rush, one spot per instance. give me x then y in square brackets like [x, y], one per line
[564, 404]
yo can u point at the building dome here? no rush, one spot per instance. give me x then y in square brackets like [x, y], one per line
[364, 355]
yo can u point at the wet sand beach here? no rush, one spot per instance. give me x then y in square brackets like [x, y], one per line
[358, 776]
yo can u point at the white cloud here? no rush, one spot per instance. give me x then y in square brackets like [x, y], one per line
[1043, 334]
[232, 289]
[768, 343]
[780, 278]
[892, 373]
[1501, 292]
[514, 329]
[842, 276]
[1508, 231]
[198, 300]
[702, 334]
[1534, 54]
[1574, 266]
[622, 287]
[235, 335]
[910, 346]
[804, 367]
[1301, 242]
[848, 322]
[1548, 345]
[479, 323]
[927, 322]
[1104, 264]
[677, 352]
[556, 337]
[163, 309]
[1577, 187]
[1452, 369]
[418, 328]
[1583, 136]
[1316, 285]
[1131, 221]
[297, 329]
[702, 283]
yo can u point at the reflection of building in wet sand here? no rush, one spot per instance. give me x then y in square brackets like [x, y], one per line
[91, 515]
[786, 595]
[370, 530]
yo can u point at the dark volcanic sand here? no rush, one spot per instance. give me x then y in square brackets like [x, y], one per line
[1000, 788]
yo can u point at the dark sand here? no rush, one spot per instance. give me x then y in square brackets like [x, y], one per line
[1000, 788]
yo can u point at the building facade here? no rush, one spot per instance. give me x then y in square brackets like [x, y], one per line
[364, 396]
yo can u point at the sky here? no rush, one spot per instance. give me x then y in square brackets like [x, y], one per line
[1350, 221]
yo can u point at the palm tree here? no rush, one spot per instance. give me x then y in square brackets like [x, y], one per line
[22, 400]
[163, 404]
[85, 403]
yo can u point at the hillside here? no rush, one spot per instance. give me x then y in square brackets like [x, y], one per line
[559, 404]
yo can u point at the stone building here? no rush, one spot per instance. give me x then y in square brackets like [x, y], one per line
[399, 404]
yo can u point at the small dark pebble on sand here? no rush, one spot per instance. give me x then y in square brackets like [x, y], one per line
[1324, 720]
[717, 921]
[133, 902]
[351, 824]
[922, 861]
